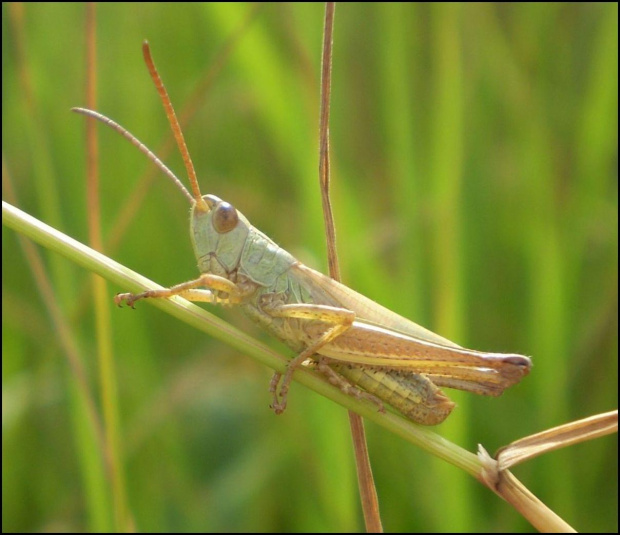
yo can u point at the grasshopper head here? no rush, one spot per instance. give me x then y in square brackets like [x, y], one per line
[219, 234]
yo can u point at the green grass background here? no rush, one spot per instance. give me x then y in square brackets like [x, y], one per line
[474, 161]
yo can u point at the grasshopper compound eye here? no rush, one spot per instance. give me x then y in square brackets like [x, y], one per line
[225, 217]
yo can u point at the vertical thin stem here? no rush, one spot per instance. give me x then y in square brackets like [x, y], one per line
[368, 492]
[326, 78]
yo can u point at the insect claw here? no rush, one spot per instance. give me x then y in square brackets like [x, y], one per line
[128, 298]
[278, 407]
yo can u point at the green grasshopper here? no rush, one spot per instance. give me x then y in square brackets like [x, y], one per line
[354, 341]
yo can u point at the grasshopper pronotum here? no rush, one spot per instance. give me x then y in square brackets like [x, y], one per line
[353, 340]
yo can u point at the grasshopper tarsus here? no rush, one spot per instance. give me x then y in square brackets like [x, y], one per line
[278, 405]
[273, 384]
[278, 408]
[127, 298]
[279, 398]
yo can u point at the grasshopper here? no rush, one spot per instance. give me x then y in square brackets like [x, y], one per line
[361, 346]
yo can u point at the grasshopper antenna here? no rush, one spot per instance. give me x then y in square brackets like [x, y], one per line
[195, 199]
[174, 124]
[141, 146]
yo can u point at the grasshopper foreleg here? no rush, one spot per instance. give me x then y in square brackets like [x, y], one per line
[189, 290]
[340, 319]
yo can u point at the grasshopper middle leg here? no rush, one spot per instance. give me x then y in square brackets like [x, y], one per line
[339, 319]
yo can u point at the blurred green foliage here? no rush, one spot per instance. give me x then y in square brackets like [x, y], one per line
[474, 154]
